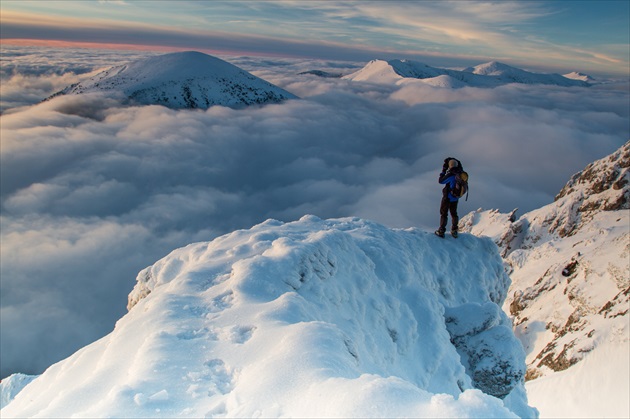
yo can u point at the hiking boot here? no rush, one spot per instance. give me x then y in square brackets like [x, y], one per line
[454, 233]
[439, 233]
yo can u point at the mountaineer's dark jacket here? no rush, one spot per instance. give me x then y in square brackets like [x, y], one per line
[448, 178]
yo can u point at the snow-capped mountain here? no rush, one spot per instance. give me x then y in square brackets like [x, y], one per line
[576, 75]
[182, 80]
[399, 71]
[314, 318]
[484, 75]
[570, 270]
[507, 74]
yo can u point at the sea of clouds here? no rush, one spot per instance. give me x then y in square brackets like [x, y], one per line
[92, 192]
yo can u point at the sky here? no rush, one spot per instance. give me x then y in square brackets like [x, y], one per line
[92, 192]
[558, 36]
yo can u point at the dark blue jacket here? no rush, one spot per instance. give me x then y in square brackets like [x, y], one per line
[448, 178]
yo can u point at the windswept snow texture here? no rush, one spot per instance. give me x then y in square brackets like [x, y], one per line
[314, 318]
[182, 80]
[490, 74]
[570, 294]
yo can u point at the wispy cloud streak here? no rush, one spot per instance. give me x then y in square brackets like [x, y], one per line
[456, 31]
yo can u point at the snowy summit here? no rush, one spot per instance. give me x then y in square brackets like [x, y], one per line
[490, 74]
[314, 318]
[576, 75]
[182, 80]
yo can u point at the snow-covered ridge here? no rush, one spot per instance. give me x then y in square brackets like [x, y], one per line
[484, 75]
[314, 318]
[12, 385]
[602, 185]
[182, 80]
[570, 263]
[576, 75]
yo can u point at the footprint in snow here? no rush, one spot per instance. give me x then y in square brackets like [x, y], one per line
[196, 334]
[240, 334]
[222, 302]
[220, 377]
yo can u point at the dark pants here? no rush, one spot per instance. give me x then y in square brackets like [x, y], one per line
[447, 206]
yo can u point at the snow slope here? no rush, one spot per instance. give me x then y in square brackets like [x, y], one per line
[491, 74]
[314, 318]
[569, 297]
[12, 385]
[182, 80]
[598, 387]
[576, 75]
[507, 74]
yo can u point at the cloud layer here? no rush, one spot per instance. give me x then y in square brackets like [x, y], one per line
[93, 192]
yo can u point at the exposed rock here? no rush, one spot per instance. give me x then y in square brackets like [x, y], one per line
[491, 354]
[570, 265]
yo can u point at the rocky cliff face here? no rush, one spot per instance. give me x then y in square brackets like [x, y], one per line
[570, 265]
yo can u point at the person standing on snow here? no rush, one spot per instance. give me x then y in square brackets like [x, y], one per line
[450, 170]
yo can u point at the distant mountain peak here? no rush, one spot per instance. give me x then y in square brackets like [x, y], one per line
[321, 73]
[489, 74]
[576, 75]
[491, 68]
[179, 80]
